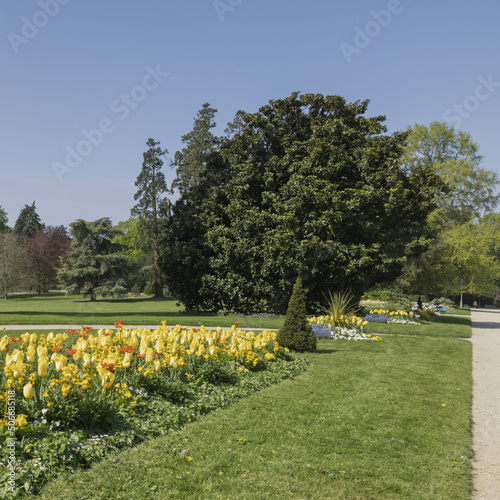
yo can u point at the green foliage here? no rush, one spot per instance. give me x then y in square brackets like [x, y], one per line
[151, 185]
[191, 162]
[93, 266]
[28, 223]
[3, 220]
[455, 261]
[453, 156]
[296, 333]
[307, 184]
[339, 304]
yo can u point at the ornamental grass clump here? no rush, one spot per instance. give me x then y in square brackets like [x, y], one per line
[338, 306]
[296, 333]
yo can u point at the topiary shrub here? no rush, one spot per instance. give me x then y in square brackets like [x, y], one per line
[296, 333]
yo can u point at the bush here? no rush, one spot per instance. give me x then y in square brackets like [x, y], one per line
[339, 305]
[296, 333]
[136, 290]
[149, 289]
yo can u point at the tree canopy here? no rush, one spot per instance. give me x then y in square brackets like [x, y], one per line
[151, 185]
[454, 156]
[458, 259]
[312, 188]
[94, 266]
[28, 223]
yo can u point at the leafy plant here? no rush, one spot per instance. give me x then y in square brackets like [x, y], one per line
[339, 305]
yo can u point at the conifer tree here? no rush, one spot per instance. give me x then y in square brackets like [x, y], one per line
[296, 333]
[28, 223]
[151, 185]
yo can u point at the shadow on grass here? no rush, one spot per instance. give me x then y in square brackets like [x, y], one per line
[329, 351]
[452, 320]
[159, 314]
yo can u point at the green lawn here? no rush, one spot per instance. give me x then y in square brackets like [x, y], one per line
[60, 309]
[437, 326]
[368, 420]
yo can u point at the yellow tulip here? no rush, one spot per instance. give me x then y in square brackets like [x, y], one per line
[42, 351]
[86, 361]
[3, 343]
[157, 364]
[43, 366]
[30, 354]
[28, 391]
[149, 355]
[60, 361]
[107, 380]
[18, 370]
[127, 359]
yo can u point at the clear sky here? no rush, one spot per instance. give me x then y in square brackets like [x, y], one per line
[84, 84]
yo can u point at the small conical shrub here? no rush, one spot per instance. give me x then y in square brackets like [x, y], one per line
[296, 333]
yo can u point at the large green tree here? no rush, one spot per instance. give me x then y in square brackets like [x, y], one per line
[191, 161]
[94, 265]
[455, 157]
[447, 266]
[199, 168]
[151, 186]
[316, 189]
[28, 223]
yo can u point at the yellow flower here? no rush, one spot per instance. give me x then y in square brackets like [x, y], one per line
[43, 366]
[189, 459]
[149, 355]
[28, 391]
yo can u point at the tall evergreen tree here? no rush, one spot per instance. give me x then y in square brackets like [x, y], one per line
[199, 144]
[199, 168]
[151, 185]
[94, 266]
[28, 223]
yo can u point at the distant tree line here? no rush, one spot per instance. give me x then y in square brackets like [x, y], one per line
[309, 187]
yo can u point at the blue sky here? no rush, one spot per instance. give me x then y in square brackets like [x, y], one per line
[85, 83]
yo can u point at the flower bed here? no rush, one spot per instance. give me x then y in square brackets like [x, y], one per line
[349, 328]
[71, 398]
[395, 317]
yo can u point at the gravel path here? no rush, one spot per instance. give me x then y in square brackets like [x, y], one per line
[486, 403]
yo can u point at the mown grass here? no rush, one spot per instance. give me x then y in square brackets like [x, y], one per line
[437, 326]
[368, 420]
[60, 309]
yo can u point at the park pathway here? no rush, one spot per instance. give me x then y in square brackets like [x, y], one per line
[486, 403]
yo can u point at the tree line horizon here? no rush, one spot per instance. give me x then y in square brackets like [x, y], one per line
[309, 187]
